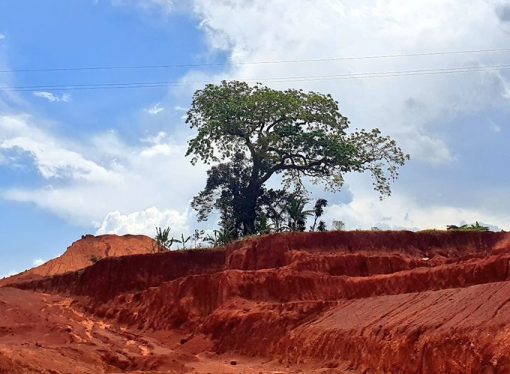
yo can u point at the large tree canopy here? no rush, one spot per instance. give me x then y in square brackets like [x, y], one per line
[255, 132]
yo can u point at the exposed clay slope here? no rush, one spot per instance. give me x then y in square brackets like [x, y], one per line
[320, 254]
[371, 302]
[188, 300]
[47, 334]
[79, 255]
[116, 275]
[281, 249]
[448, 331]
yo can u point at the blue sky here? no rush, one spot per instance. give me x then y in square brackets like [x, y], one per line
[112, 160]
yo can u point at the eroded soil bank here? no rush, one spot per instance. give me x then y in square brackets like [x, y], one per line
[360, 302]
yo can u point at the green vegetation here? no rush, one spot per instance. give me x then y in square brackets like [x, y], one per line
[473, 227]
[162, 240]
[219, 238]
[197, 238]
[297, 214]
[318, 211]
[338, 225]
[252, 133]
[322, 226]
[183, 240]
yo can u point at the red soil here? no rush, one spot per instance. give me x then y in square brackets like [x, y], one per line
[361, 302]
[79, 255]
[41, 333]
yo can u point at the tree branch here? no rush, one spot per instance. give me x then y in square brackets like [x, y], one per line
[274, 123]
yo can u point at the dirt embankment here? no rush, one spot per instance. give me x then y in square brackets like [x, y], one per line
[42, 333]
[373, 302]
[112, 276]
[85, 252]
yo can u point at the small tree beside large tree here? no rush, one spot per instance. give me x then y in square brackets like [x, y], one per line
[252, 133]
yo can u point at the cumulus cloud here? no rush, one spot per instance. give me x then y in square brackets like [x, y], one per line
[87, 181]
[423, 112]
[52, 159]
[105, 177]
[403, 212]
[336, 29]
[144, 222]
[155, 109]
[51, 97]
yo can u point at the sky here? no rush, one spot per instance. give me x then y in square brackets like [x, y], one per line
[77, 158]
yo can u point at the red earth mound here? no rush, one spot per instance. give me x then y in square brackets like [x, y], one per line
[339, 302]
[84, 252]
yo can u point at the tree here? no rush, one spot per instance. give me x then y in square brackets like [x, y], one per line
[297, 214]
[219, 238]
[224, 191]
[162, 240]
[273, 206]
[318, 211]
[338, 225]
[321, 227]
[197, 237]
[183, 240]
[255, 132]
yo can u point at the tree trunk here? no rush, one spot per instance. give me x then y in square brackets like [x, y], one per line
[249, 227]
[249, 213]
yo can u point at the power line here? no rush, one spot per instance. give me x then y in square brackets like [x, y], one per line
[166, 66]
[366, 75]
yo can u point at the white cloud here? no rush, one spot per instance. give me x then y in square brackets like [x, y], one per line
[402, 212]
[101, 175]
[159, 146]
[2, 36]
[51, 97]
[159, 138]
[52, 157]
[422, 112]
[38, 262]
[338, 28]
[155, 109]
[144, 222]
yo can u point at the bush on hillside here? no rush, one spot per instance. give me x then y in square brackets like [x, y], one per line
[473, 227]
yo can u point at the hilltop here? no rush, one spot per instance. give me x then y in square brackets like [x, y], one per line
[84, 252]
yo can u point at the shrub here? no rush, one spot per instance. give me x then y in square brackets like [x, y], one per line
[338, 225]
[473, 227]
[162, 241]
